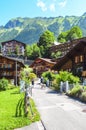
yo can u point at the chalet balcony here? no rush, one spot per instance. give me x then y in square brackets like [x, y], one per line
[6, 69]
[7, 76]
[9, 69]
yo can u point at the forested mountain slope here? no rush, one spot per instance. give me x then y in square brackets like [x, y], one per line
[28, 30]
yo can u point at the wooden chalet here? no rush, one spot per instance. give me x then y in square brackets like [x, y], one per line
[12, 48]
[74, 59]
[64, 48]
[41, 65]
[10, 68]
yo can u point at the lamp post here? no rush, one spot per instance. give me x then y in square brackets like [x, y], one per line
[16, 72]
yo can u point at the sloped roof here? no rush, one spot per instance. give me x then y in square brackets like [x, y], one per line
[48, 60]
[12, 40]
[42, 59]
[64, 48]
[13, 59]
[75, 49]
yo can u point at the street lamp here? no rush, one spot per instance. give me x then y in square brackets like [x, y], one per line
[16, 72]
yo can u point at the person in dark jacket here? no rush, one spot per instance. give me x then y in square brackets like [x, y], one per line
[32, 82]
[42, 80]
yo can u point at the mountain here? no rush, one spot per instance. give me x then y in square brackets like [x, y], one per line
[28, 30]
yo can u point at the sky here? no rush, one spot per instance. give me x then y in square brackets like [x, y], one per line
[40, 8]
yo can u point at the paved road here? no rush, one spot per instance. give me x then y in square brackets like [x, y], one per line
[58, 111]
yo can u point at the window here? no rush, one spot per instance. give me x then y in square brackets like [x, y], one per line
[79, 59]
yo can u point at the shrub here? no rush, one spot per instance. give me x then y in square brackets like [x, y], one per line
[48, 75]
[32, 76]
[66, 76]
[83, 96]
[73, 79]
[55, 85]
[3, 84]
[76, 91]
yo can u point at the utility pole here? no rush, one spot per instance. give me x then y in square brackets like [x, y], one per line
[16, 72]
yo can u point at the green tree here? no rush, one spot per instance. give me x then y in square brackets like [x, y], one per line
[27, 74]
[32, 51]
[24, 74]
[73, 33]
[28, 51]
[46, 40]
[35, 51]
[63, 37]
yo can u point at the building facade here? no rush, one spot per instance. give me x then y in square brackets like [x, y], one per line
[74, 60]
[10, 69]
[41, 65]
[12, 48]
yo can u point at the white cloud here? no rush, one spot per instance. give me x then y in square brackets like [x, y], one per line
[42, 5]
[63, 4]
[52, 7]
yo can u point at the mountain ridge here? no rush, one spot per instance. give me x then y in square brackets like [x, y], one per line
[28, 30]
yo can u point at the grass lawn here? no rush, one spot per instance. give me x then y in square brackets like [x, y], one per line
[8, 103]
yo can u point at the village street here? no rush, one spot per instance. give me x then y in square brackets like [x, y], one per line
[58, 111]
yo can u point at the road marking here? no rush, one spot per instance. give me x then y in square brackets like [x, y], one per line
[67, 106]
